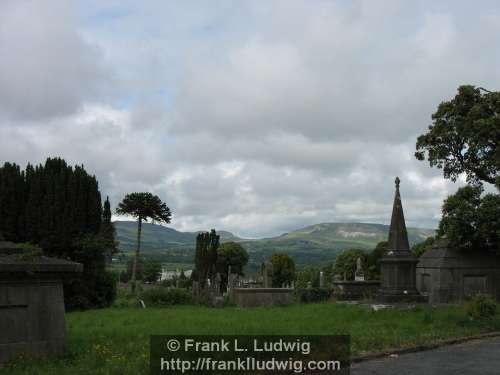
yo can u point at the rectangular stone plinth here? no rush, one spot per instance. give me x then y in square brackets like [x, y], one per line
[255, 297]
[31, 318]
[353, 290]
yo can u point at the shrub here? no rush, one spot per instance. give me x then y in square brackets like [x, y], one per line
[159, 296]
[481, 307]
[84, 292]
[313, 295]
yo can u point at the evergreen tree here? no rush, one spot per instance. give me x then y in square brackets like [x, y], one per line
[205, 259]
[12, 194]
[108, 231]
[58, 207]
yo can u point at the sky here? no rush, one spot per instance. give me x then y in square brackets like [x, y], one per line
[257, 117]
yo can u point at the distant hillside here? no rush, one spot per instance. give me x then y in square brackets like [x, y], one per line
[158, 237]
[315, 244]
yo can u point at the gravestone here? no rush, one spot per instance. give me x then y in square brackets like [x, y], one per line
[217, 284]
[268, 275]
[233, 280]
[321, 279]
[398, 265]
[32, 302]
[359, 274]
[195, 289]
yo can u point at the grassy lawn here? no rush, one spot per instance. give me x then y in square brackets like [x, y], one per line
[116, 341]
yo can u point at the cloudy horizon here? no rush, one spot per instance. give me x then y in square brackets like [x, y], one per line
[255, 117]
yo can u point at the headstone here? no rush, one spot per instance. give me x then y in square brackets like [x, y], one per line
[196, 288]
[321, 279]
[268, 275]
[217, 284]
[233, 281]
[359, 274]
[309, 285]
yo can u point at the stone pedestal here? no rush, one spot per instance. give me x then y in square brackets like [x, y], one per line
[31, 303]
[398, 280]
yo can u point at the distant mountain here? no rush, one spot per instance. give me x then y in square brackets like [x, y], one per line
[315, 244]
[158, 237]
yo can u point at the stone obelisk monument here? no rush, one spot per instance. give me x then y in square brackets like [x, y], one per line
[398, 265]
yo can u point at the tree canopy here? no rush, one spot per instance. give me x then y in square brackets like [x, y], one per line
[419, 248]
[345, 263]
[464, 135]
[372, 261]
[144, 206]
[231, 254]
[470, 221]
[283, 269]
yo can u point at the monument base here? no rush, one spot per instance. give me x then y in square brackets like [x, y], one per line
[413, 296]
[258, 297]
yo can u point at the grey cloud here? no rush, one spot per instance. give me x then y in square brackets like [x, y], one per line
[47, 69]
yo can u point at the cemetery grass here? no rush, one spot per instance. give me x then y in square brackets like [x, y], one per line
[116, 340]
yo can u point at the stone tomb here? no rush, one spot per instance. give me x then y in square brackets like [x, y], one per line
[31, 302]
[448, 275]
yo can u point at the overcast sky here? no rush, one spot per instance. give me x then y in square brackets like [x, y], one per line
[257, 117]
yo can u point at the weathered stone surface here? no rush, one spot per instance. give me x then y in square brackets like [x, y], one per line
[31, 303]
[255, 297]
[353, 290]
[448, 275]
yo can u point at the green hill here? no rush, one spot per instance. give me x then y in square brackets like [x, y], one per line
[312, 245]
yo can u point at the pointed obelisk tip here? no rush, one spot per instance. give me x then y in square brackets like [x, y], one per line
[397, 181]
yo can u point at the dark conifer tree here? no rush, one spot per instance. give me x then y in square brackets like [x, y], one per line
[108, 231]
[59, 208]
[206, 255]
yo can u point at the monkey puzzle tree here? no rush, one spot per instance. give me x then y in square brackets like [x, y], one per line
[143, 206]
